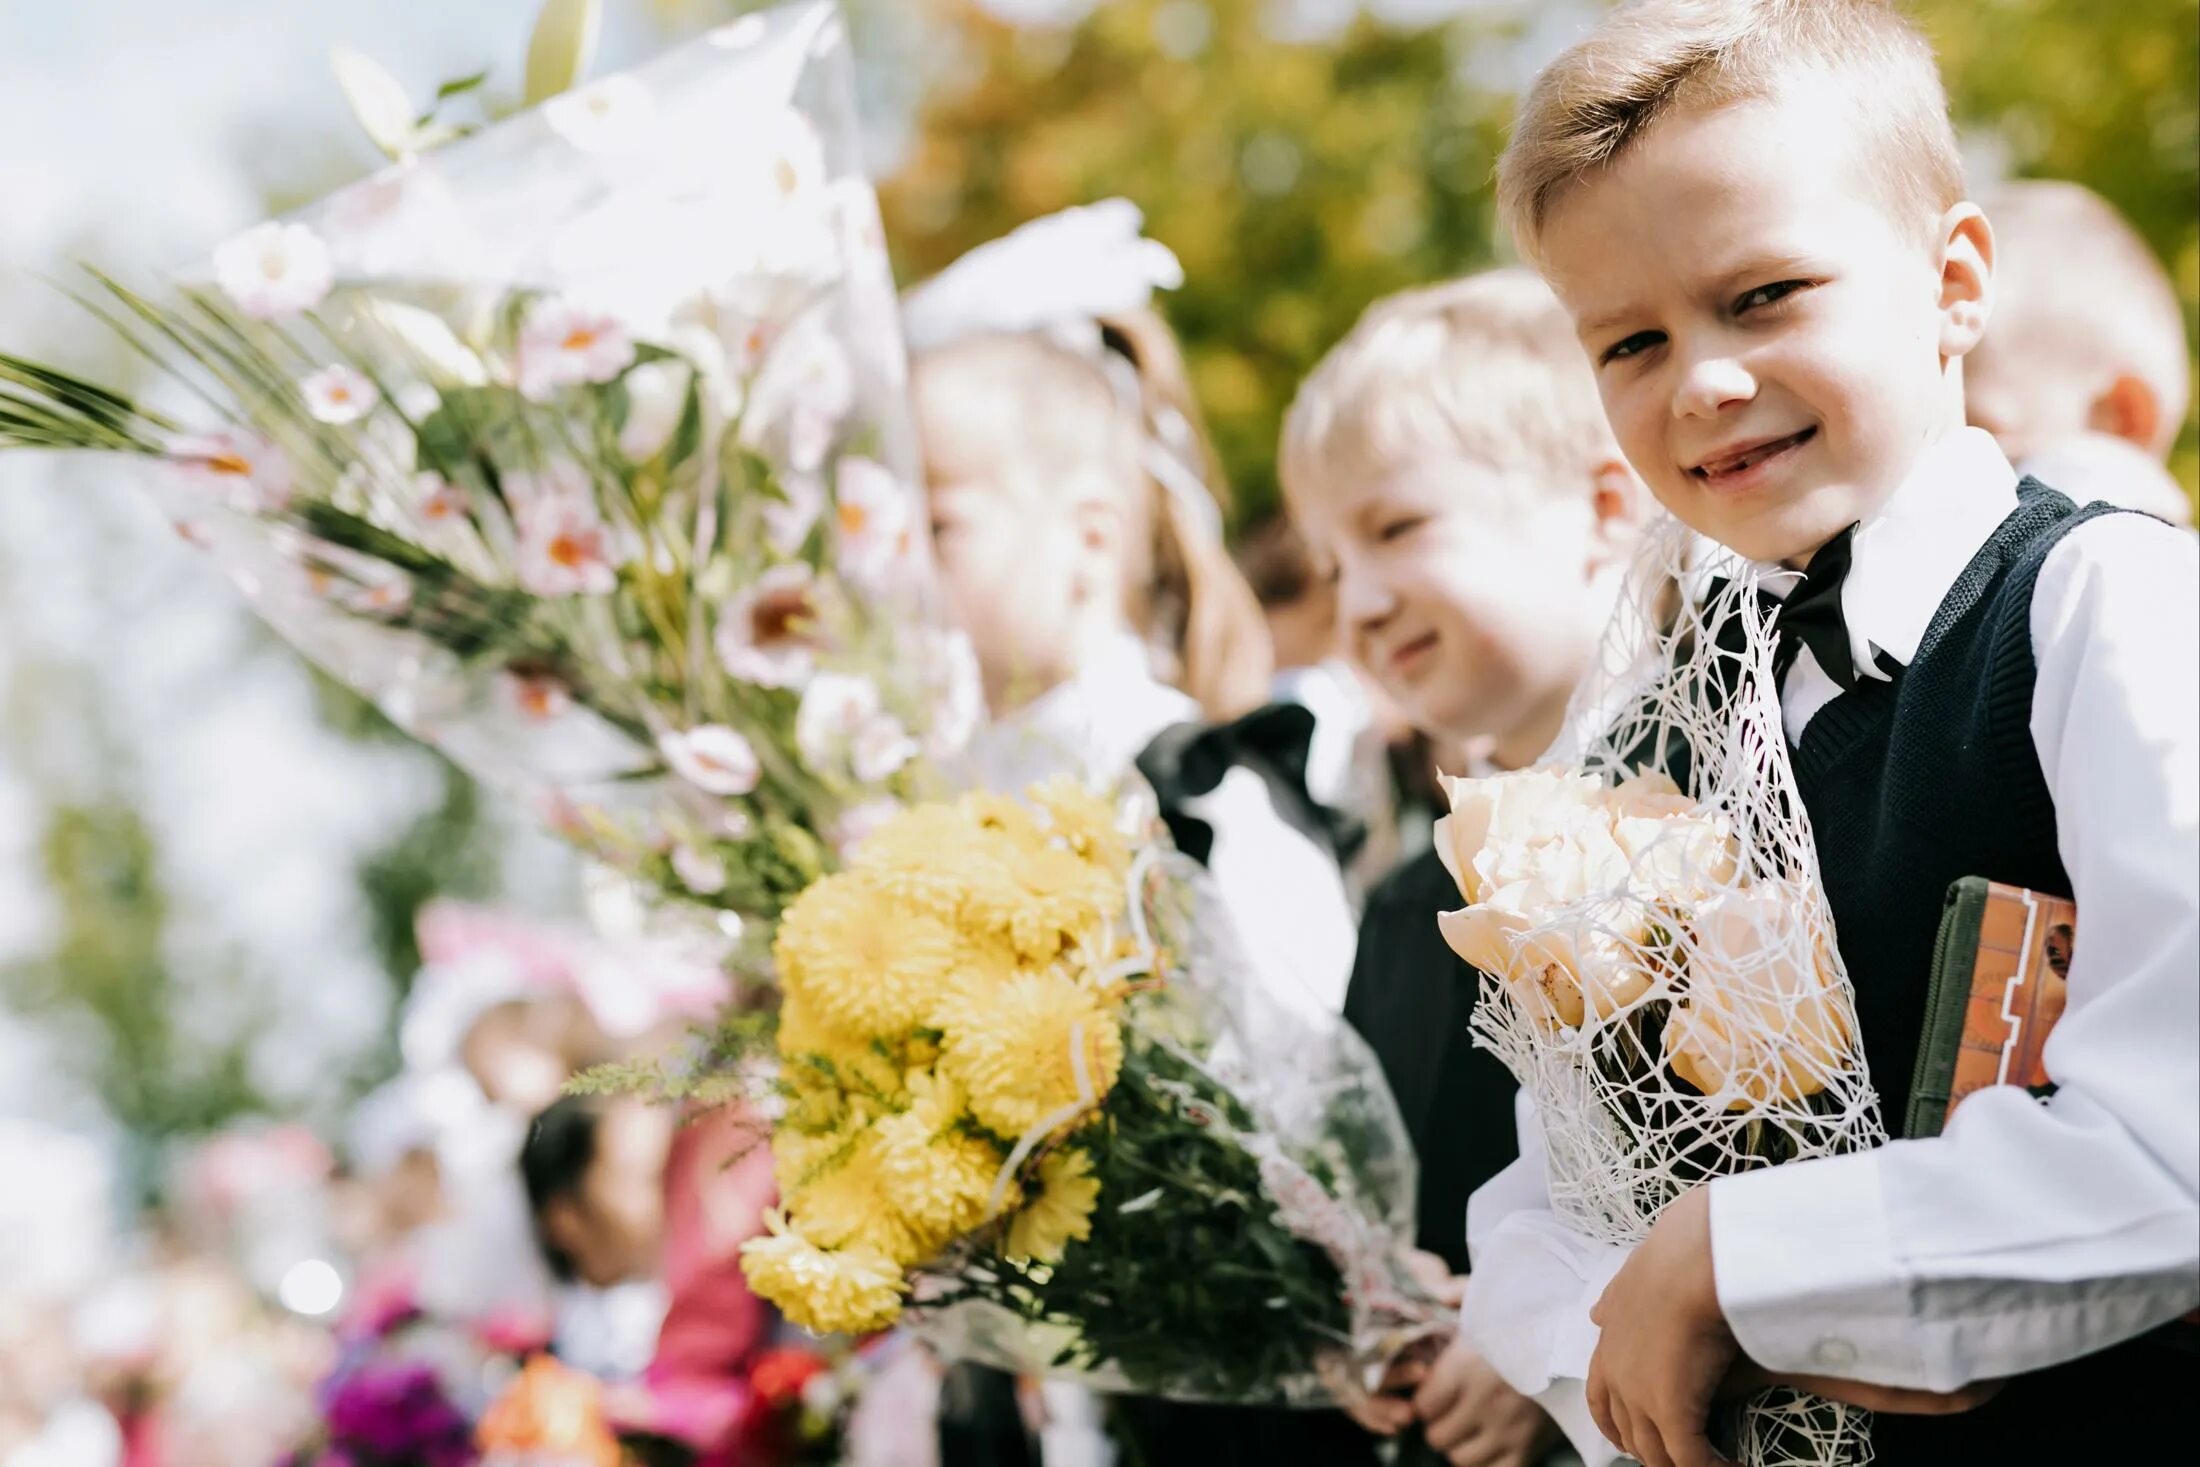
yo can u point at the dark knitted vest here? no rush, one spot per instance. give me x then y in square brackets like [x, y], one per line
[1911, 784]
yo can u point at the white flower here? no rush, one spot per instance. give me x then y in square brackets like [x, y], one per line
[834, 706]
[384, 596]
[609, 116]
[656, 399]
[538, 697]
[787, 522]
[274, 270]
[564, 549]
[562, 343]
[244, 470]
[880, 747]
[558, 479]
[805, 389]
[954, 690]
[436, 500]
[338, 394]
[700, 871]
[857, 822]
[713, 758]
[875, 517]
[770, 633]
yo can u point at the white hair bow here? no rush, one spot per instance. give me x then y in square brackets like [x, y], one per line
[1056, 273]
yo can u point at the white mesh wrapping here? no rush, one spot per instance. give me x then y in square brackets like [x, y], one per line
[1659, 965]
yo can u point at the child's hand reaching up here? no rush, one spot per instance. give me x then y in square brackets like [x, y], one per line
[1472, 1418]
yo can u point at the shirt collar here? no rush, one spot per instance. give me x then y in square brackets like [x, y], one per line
[1094, 724]
[1908, 553]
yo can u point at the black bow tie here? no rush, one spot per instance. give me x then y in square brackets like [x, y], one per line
[1189, 760]
[1811, 616]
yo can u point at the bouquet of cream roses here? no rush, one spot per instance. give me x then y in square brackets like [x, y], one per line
[1659, 969]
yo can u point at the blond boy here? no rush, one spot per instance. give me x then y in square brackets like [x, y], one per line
[1754, 212]
[2083, 377]
[1449, 467]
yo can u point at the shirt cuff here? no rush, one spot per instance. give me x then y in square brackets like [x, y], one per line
[1806, 1271]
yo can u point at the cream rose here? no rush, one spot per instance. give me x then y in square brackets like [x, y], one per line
[1521, 848]
[1679, 853]
[1763, 1017]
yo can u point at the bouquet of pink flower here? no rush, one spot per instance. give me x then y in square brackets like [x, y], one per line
[580, 446]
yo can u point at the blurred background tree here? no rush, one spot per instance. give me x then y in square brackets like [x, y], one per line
[1304, 157]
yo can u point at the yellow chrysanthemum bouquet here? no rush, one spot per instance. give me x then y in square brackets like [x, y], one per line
[1027, 1110]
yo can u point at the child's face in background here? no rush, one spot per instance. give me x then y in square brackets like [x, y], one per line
[1465, 595]
[1014, 547]
[1772, 342]
[613, 1228]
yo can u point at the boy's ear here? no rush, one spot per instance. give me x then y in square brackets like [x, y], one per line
[2128, 410]
[1966, 278]
[1097, 520]
[1618, 504]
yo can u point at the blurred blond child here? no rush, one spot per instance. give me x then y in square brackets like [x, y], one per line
[1077, 527]
[2083, 375]
[1449, 465]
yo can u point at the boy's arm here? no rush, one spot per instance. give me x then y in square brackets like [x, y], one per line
[2029, 1234]
[1527, 1301]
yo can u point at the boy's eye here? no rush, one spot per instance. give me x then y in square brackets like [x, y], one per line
[1401, 527]
[1765, 295]
[1629, 346]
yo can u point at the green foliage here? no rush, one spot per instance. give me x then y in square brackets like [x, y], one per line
[1300, 182]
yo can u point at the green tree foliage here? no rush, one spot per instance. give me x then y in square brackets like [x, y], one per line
[1301, 181]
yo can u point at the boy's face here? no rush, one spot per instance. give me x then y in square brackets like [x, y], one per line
[1771, 341]
[1462, 593]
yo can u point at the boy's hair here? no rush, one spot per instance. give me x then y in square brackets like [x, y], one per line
[1655, 57]
[2077, 290]
[554, 1162]
[1486, 368]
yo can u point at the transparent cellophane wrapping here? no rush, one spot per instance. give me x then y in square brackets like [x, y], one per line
[709, 208]
[1291, 1225]
[1713, 960]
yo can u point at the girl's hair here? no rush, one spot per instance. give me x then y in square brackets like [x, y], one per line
[1182, 591]
[554, 1163]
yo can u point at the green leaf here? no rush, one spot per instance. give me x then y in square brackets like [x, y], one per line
[377, 99]
[459, 86]
[563, 43]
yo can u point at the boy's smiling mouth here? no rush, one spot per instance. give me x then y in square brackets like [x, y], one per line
[1729, 468]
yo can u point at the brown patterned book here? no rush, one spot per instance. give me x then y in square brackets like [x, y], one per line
[1998, 986]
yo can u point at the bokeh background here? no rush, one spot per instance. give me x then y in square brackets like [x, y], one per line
[210, 858]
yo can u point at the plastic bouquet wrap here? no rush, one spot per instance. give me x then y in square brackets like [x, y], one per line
[581, 447]
[1032, 1108]
[1658, 959]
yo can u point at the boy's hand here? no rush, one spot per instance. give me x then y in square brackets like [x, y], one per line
[1747, 1378]
[1473, 1419]
[1665, 1347]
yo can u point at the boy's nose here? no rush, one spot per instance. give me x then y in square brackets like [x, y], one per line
[1364, 603]
[1711, 383]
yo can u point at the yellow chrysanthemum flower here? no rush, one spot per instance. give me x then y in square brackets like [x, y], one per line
[873, 966]
[1060, 1211]
[1006, 815]
[937, 1175]
[1085, 823]
[1059, 899]
[845, 1291]
[844, 1202]
[1014, 1047]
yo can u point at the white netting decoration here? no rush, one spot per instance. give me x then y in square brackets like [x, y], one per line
[1658, 959]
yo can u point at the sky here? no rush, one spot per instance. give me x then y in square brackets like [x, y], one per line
[137, 133]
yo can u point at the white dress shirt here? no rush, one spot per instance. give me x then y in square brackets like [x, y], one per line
[2027, 1233]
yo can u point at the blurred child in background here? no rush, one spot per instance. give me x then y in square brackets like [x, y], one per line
[2083, 375]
